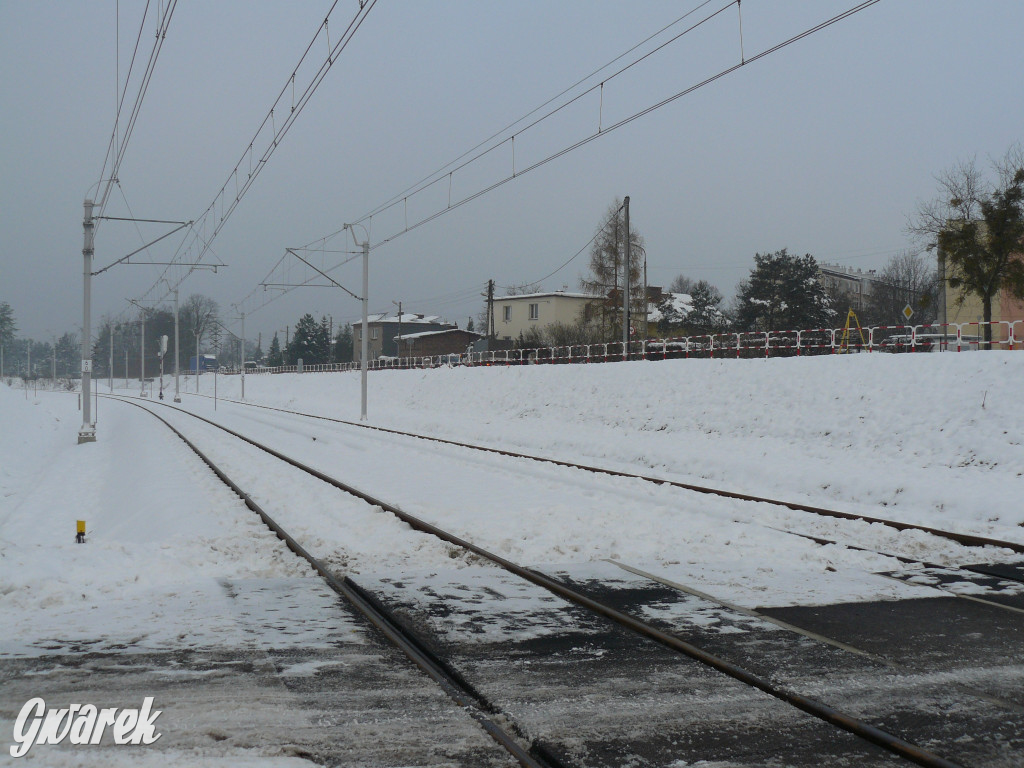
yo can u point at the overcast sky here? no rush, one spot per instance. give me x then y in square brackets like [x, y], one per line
[824, 147]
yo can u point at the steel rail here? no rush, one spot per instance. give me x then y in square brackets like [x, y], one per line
[966, 539]
[848, 723]
[450, 682]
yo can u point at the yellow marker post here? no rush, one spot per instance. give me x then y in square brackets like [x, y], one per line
[80, 536]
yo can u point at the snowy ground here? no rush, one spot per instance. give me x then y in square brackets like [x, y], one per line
[930, 439]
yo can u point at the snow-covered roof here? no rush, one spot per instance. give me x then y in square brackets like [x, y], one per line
[410, 336]
[547, 293]
[407, 318]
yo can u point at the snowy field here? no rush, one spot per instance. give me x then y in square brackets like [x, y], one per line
[928, 439]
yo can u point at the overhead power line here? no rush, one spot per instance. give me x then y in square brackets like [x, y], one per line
[291, 100]
[502, 138]
[118, 145]
[601, 130]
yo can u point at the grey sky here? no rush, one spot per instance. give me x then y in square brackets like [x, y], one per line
[824, 147]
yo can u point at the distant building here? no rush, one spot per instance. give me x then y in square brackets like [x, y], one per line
[855, 284]
[384, 328]
[514, 315]
[429, 343]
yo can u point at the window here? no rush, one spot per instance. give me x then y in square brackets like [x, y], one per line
[375, 334]
[507, 317]
[534, 311]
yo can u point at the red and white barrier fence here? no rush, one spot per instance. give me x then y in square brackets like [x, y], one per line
[939, 337]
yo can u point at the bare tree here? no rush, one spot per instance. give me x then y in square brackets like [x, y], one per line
[196, 315]
[522, 289]
[607, 255]
[909, 278]
[978, 227]
[681, 284]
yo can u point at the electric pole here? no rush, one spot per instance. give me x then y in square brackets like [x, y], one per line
[625, 288]
[142, 352]
[399, 347]
[87, 434]
[241, 355]
[177, 393]
[491, 330]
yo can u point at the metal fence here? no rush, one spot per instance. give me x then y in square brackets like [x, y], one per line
[939, 337]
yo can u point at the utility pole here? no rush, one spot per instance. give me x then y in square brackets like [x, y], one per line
[399, 349]
[54, 376]
[142, 352]
[87, 434]
[241, 343]
[491, 330]
[177, 395]
[366, 323]
[110, 379]
[625, 289]
[364, 341]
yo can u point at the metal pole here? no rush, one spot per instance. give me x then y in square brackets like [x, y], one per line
[87, 433]
[177, 395]
[142, 353]
[111, 378]
[625, 289]
[242, 354]
[366, 322]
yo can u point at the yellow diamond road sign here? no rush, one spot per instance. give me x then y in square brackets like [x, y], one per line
[908, 312]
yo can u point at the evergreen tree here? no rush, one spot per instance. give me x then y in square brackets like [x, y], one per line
[7, 324]
[323, 341]
[68, 355]
[343, 348]
[308, 342]
[274, 356]
[783, 293]
[706, 316]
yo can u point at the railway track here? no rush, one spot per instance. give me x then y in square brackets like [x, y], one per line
[966, 539]
[484, 709]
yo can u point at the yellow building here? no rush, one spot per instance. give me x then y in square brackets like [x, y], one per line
[1006, 310]
[518, 314]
